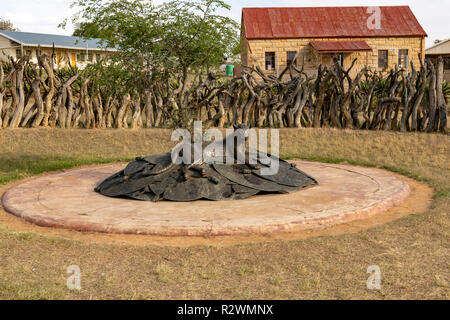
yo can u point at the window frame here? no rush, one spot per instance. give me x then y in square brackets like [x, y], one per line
[380, 59]
[340, 57]
[270, 55]
[402, 55]
[81, 57]
[289, 59]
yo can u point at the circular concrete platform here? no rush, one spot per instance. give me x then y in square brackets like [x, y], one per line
[67, 200]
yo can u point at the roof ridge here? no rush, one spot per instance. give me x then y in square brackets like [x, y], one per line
[34, 39]
[438, 44]
[293, 7]
[49, 34]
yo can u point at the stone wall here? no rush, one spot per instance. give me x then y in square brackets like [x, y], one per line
[244, 48]
[253, 52]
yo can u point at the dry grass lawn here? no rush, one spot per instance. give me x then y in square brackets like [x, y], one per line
[413, 253]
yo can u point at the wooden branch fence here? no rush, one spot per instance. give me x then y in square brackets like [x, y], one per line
[37, 95]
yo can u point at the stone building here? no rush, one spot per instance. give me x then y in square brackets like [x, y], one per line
[74, 50]
[380, 37]
[441, 49]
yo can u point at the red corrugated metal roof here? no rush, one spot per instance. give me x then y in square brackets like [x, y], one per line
[328, 22]
[340, 46]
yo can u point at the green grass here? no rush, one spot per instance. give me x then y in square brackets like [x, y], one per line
[19, 168]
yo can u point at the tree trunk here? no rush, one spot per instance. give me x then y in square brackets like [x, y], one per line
[70, 108]
[17, 116]
[122, 110]
[441, 121]
[418, 100]
[136, 113]
[48, 101]
[148, 109]
[432, 97]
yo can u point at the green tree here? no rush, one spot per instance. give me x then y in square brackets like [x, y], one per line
[159, 49]
[173, 38]
[86, 30]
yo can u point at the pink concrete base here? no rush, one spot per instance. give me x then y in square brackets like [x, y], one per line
[67, 200]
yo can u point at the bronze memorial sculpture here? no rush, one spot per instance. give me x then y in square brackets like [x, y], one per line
[158, 177]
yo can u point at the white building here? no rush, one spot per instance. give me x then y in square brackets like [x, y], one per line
[441, 49]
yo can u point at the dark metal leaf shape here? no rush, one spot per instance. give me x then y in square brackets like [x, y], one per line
[287, 176]
[164, 159]
[240, 196]
[165, 180]
[108, 182]
[238, 188]
[155, 178]
[143, 196]
[125, 186]
[235, 173]
[190, 190]
[134, 167]
[221, 193]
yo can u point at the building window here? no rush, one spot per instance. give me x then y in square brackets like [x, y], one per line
[382, 59]
[340, 59]
[81, 57]
[290, 57]
[28, 52]
[18, 53]
[90, 57]
[270, 60]
[447, 63]
[403, 58]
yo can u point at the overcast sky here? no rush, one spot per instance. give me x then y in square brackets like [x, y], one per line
[45, 15]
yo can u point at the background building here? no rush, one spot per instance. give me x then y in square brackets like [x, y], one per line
[270, 37]
[74, 50]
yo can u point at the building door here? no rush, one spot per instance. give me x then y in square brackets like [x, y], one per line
[58, 59]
